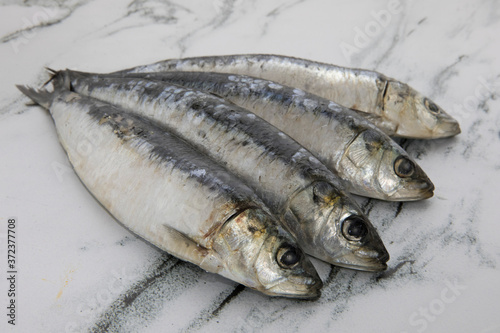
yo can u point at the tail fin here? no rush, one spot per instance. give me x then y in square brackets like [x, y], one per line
[41, 96]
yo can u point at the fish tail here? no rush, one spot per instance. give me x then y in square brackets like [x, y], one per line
[41, 97]
[59, 79]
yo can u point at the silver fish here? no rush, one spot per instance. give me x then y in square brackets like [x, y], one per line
[370, 162]
[401, 110]
[176, 198]
[297, 188]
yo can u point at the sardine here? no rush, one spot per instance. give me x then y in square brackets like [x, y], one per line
[370, 162]
[176, 198]
[298, 189]
[401, 110]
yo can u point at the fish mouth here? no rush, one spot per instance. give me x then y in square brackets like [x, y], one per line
[447, 127]
[413, 191]
[308, 290]
[371, 260]
[428, 192]
[375, 267]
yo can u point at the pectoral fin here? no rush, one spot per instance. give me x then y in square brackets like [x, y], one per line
[183, 247]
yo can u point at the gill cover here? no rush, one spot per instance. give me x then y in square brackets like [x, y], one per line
[262, 255]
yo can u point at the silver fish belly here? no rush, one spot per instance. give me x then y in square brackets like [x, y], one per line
[174, 197]
[297, 188]
[402, 110]
[370, 162]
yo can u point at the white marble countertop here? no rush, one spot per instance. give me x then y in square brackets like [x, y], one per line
[77, 269]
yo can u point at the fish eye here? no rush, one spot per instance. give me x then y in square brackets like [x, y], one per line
[354, 228]
[404, 167]
[288, 256]
[431, 106]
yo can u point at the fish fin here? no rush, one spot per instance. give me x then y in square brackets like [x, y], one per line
[50, 70]
[368, 116]
[59, 79]
[183, 247]
[53, 73]
[40, 97]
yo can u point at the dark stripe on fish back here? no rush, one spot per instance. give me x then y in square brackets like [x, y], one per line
[247, 87]
[167, 148]
[217, 111]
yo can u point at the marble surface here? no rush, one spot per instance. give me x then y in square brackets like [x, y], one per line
[79, 270]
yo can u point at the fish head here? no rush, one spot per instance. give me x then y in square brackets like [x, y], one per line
[331, 227]
[416, 115]
[284, 269]
[378, 167]
[400, 178]
[263, 255]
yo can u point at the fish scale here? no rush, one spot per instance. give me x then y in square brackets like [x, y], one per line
[297, 188]
[228, 127]
[173, 196]
[328, 130]
[400, 110]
